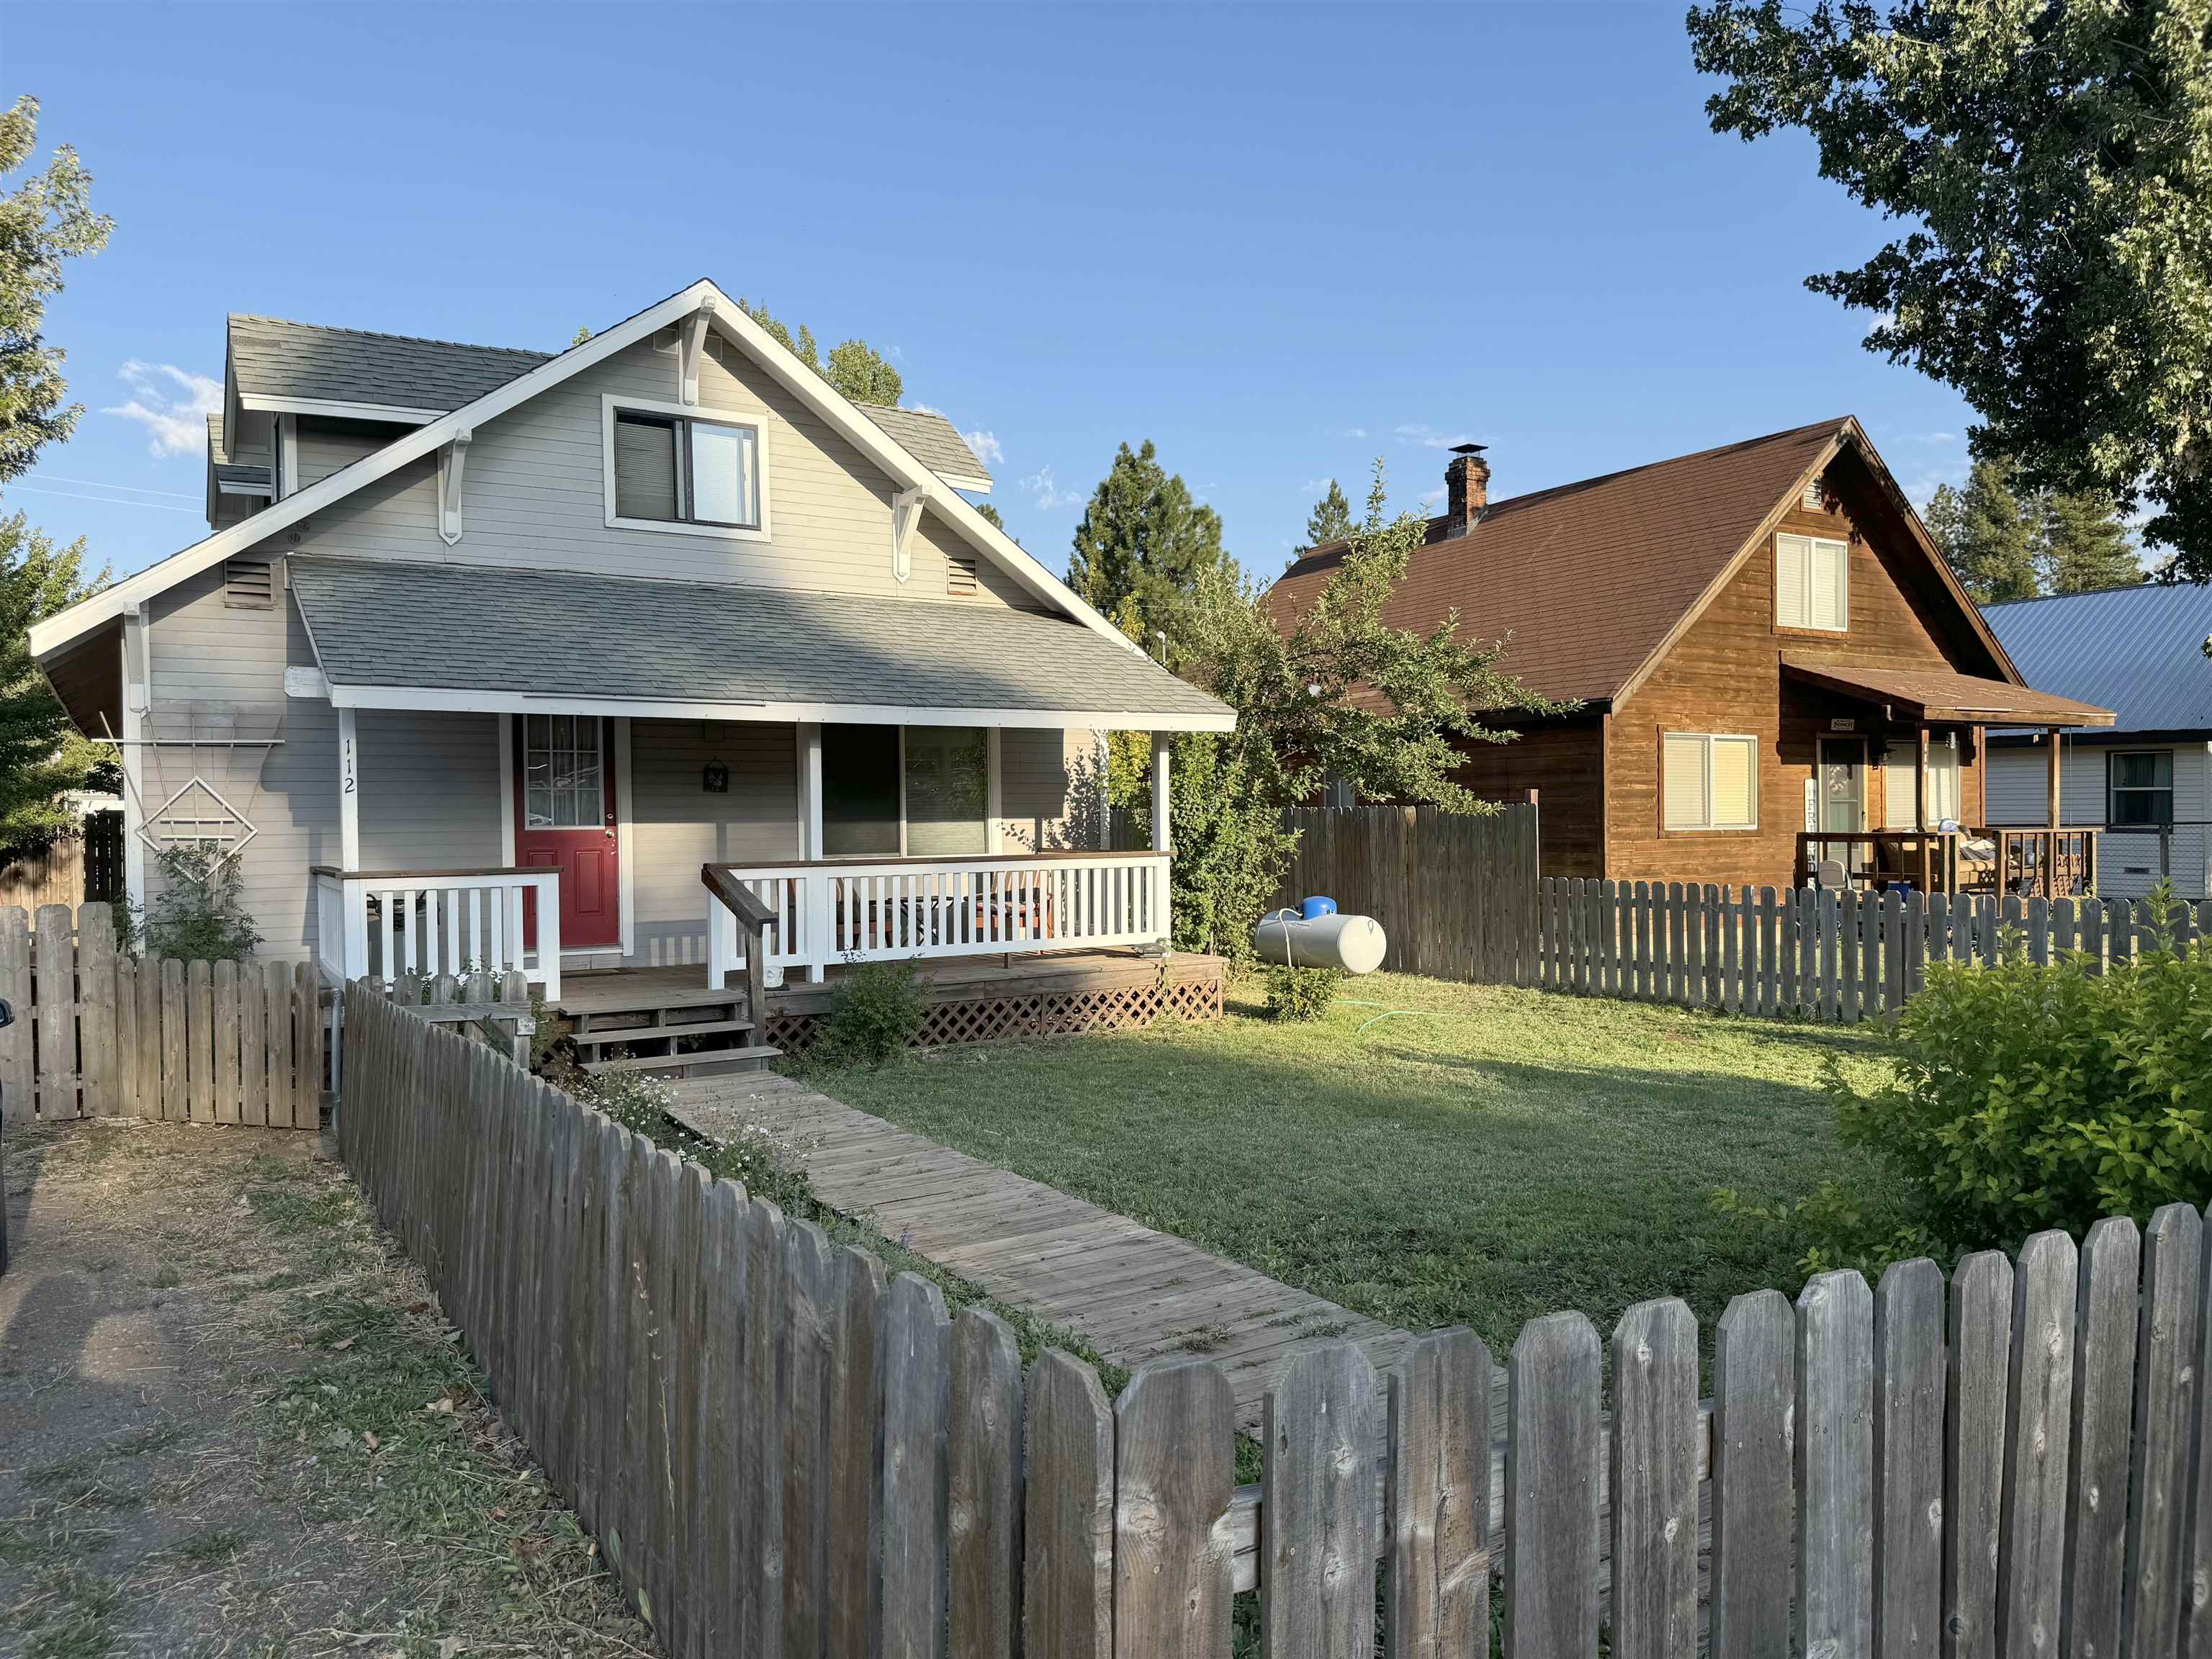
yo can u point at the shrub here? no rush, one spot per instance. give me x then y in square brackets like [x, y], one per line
[752, 1155]
[2026, 1097]
[198, 915]
[880, 1008]
[1301, 992]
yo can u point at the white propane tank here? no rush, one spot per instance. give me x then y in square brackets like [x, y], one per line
[1354, 944]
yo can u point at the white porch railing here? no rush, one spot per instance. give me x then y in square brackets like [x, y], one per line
[379, 924]
[896, 909]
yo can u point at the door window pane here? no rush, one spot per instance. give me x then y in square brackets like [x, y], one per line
[563, 779]
[724, 488]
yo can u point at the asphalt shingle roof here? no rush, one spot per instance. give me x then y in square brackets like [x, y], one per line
[2136, 651]
[272, 357]
[382, 623]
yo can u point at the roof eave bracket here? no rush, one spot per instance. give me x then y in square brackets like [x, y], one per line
[906, 515]
[451, 457]
[693, 343]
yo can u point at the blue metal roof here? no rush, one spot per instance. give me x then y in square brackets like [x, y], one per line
[2136, 651]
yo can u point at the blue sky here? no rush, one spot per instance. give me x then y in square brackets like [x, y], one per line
[1278, 242]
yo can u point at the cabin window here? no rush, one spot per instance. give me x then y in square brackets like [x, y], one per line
[1812, 583]
[673, 468]
[1943, 776]
[1710, 782]
[2141, 787]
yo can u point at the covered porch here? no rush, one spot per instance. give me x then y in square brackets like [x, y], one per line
[1897, 792]
[880, 780]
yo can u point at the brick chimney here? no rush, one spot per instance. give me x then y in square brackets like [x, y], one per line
[1467, 488]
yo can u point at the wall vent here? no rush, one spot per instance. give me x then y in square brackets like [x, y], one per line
[249, 584]
[960, 576]
[1815, 502]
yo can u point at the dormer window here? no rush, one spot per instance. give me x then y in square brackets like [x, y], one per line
[1812, 583]
[673, 467]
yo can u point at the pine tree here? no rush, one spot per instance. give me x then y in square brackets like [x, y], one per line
[1990, 536]
[42, 757]
[854, 367]
[1330, 521]
[2086, 545]
[1145, 546]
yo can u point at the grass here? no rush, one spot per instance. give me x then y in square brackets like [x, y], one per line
[1427, 1153]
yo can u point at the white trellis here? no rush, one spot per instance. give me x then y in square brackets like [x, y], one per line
[185, 790]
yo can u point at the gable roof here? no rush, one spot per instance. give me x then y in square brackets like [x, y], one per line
[726, 318]
[276, 363]
[2137, 651]
[1589, 583]
[385, 631]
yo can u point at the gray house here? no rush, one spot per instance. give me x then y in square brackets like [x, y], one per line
[2147, 779]
[487, 652]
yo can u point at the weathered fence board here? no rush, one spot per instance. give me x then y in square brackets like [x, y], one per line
[1438, 1499]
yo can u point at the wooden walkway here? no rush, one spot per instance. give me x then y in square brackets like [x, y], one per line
[1134, 1294]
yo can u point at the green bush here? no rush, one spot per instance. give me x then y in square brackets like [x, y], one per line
[880, 1007]
[1301, 992]
[198, 915]
[2026, 1096]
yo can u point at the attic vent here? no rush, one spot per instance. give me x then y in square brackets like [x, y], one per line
[1814, 500]
[249, 584]
[960, 574]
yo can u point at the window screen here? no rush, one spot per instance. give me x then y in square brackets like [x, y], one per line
[1943, 776]
[1812, 583]
[645, 468]
[860, 790]
[725, 477]
[948, 791]
[1710, 782]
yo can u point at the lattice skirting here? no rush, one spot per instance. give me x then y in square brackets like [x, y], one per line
[1036, 1013]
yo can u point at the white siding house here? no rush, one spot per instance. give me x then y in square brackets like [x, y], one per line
[435, 679]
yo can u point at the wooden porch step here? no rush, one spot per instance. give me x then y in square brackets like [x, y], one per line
[600, 1036]
[707, 1061]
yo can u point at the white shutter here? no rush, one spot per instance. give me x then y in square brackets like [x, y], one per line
[1684, 784]
[1736, 786]
[645, 468]
[1791, 553]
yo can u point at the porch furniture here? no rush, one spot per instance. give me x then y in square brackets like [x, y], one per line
[381, 924]
[824, 911]
[2030, 861]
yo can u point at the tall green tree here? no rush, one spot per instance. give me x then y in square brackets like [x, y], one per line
[42, 756]
[1334, 692]
[1331, 520]
[1989, 534]
[2086, 543]
[854, 367]
[45, 219]
[2051, 162]
[1145, 548]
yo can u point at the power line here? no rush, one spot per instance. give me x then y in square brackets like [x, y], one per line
[112, 500]
[97, 483]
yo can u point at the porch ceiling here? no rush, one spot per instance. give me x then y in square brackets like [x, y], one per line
[1922, 695]
[391, 634]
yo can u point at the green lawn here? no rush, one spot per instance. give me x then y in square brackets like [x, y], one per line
[1497, 1155]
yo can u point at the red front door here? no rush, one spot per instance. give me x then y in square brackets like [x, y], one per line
[564, 820]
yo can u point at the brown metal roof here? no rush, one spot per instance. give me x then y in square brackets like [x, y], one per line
[1589, 578]
[1935, 693]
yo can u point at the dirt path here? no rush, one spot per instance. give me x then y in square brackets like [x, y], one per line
[231, 1422]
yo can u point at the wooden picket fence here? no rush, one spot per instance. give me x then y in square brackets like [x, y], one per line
[99, 1033]
[784, 1453]
[1834, 955]
[1456, 892]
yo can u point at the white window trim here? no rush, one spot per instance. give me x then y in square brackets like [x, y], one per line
[1708, 738]
[757, 420]
[1812, 544]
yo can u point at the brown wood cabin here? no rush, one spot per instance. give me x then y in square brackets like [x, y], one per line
[1776, 675]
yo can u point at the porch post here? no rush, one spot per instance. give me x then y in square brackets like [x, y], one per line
[810, 790]
[1162, 819]
[1920, 803]
[137, 679]
[348, 792]
[2053, 785]
[814, 915]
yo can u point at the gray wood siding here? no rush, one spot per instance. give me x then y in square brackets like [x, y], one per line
[203, 651]
[1048, 797]
[2127, 864]
[676, 826]
[430, 790]
[325, 447]
[534, 497]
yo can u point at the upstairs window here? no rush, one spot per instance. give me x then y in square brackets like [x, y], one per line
[684, 470]
[2141, 787]
[1711, 782]
[1812, 583]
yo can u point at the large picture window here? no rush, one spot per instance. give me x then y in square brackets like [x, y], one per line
[2141, 787]
[1710, 782]
[1812, 583]
[922, 793]
[1943, 781]
[674, 469]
